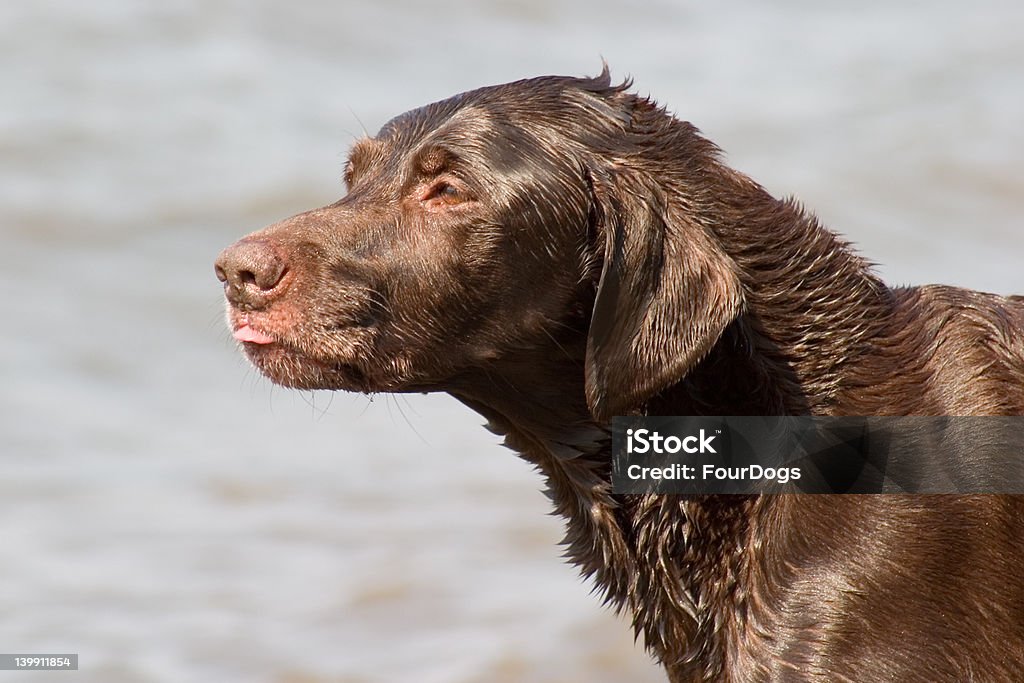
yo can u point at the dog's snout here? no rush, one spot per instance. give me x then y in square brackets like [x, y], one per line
[251, 271]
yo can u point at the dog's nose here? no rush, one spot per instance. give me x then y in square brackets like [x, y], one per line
[251, 270]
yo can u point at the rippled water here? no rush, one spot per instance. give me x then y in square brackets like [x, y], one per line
[169, 516]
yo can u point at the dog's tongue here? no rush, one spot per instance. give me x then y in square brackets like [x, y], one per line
[247, 334]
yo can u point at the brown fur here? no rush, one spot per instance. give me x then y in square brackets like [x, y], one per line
[556, 251]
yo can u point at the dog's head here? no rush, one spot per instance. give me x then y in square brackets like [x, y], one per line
[480, 225]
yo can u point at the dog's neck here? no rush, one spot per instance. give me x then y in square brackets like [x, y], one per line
[812, 307]
[621, 542]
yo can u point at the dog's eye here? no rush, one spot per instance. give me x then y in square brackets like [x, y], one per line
[447, 191]
[444, 193]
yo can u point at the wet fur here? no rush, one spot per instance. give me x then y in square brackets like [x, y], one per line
[602, 260]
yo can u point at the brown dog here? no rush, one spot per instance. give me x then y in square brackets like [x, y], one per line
[557, 251]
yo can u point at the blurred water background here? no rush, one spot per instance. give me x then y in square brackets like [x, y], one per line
[171, 517]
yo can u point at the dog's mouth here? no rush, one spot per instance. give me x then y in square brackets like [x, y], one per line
[247, 334]
[287, 361]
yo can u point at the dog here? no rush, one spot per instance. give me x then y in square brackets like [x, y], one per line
[556, 251]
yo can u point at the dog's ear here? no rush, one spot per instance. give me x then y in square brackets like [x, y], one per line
[667, 292]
